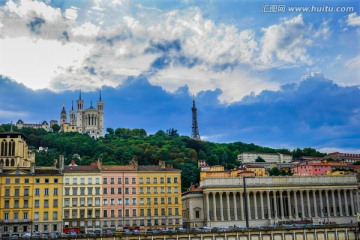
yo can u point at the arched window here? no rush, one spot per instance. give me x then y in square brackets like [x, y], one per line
[2, 162]
[12, 162]
[12, 148]
[7, 163]
[3, 148]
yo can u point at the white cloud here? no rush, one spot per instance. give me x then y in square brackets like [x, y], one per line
[286, 43]
[6, 114]
[353, 20]
[234, 84]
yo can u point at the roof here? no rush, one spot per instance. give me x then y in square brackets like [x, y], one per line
[118, 168]
[12, 133]
[81, 169]
[150, 168]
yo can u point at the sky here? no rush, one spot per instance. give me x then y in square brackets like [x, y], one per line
[277, 73]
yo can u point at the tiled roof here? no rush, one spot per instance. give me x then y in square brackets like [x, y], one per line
[81, 169]
[150, 168]
[118, 168]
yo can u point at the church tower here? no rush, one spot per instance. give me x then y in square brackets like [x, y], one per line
[195, 130]
[100, 108]
[63, 116]
[80, 109]
[72, 115]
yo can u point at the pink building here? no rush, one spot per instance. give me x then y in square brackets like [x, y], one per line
[119, 197]
[311, 169]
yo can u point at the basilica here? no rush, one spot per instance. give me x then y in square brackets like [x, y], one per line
[87, 121]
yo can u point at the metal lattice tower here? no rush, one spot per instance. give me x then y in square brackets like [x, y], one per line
[195, 129]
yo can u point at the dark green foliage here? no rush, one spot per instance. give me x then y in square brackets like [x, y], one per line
[357, 163]
[55, 128]
[259, 159]
[122, 144]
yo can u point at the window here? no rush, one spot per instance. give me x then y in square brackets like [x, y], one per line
[155, 200]
[169, 190]
[37, 180]
[104, 190]
[74, 181]
[97, 191]
[119, 201]
[119, 180]
[161, 180]
[162, 200]
[148, 190]
[126, 190]
[112, 190]
[141, 201]
[127, 201]
[37, 203]
[155, 190]
[141, 190]
[67, 191]
[126, 180]
[55, 203]
[197, 214]
[16, 203]
[105, 202]
[169, 211]
[97, 180]
[82, 202]
[112, 201]
[133, 180]
[156, 213]
[46, 192]
[74, 191]
[134, 212]
[162, 189]
[82, 191]
[163, 211]
[119, 212]
[133, 190]
[147, 180]
[17, 192]
[141, 181]
[46, 215]
[56, 180]
[36, 216]
[168, 180]
[74, 202]
[133, 201]
[89, 180]
[26, 180]
[127, 213]
[169, 200]
[176, 200]
[7, 203]
[46, 180]
[7, 192]
[7, 181]
[37, 191]
[105, 213]
[112, 213]
[46, 203]
[90, 190]
[82, 180]
[141, 212]
[26, 203]
[45, 227]
[148, 201]
[6, 216]
[175, 180]
[176, 211]
[67, 202]
[176, 189]
[89, 200]
[66, 180]
[112, 180]
[55, 191]
[155, 180]
[104, 180]
[55, 215]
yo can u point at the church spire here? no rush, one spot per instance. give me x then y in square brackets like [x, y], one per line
[100, 96]
[80, 95]
[72, 105]
[195, 130]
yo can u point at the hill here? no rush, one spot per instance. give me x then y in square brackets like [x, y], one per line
[119, 146]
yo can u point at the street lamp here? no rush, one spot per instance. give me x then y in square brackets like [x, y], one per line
[245, 202]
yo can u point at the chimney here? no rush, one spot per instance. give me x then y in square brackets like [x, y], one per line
[134, 162]
[1, 167]
[55, 163]
[32, 168]
[99, 163]
[61, 162]
[162, 164]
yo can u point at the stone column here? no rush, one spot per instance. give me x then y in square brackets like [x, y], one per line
[268, 204]
[262, 205]
[358, 200]
[275, 205]
[302, 204]
[235, 206]
[308, 203]
[333, 202]
[228, 206]
[321, 204]
[352, 203]
[207, 206]
[340, 203]
[221, 207]
[296, 205]
[255, 205]
[281, 205]
[242, 205]
[315, 204]
[346, 203]
[327, 203]
[289, 204]
[214, 205]
[248, 205]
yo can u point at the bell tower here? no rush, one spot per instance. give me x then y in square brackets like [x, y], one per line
[80, 109]
[100, 108]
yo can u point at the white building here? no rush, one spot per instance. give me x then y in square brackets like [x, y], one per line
[268, 157]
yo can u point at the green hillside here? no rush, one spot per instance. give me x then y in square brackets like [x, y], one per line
[122, 144]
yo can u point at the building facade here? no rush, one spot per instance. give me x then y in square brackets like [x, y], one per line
[87, 121]
[246, 157]
[43, 125]
[273, 199]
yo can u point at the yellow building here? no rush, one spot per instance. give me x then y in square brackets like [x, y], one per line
[29, 196]
[258, 171]
[159, 196]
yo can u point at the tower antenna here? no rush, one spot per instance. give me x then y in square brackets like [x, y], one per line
[195, 129]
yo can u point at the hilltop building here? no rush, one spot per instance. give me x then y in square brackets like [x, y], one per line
[246, 157]
[347, 157]
[88, 121]
[44, 125]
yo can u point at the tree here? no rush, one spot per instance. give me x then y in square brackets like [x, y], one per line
[274, 172]
[357, 163]
[259, 159]
[55, 128]
[110, 131]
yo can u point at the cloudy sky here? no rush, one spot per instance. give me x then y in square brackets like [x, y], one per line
[283, 74]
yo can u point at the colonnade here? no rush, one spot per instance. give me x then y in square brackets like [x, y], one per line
[281, 204]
